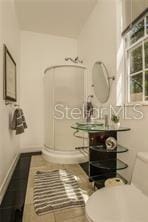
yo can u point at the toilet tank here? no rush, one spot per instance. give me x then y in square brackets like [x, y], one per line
[140, 174]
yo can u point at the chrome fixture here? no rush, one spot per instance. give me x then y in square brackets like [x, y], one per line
[11, 103]
[106, 122]
[75, 60]
[89, 108]
[109, 77]
[83, 150]
[90, 96]
[60, 66]
[78, 136]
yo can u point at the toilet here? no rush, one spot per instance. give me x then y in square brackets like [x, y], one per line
[123, 203]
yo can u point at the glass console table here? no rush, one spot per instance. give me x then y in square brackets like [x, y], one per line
[103, 163]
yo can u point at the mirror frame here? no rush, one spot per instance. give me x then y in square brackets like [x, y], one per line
[106, 76]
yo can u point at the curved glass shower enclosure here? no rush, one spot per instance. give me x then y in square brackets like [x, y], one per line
[64, 91]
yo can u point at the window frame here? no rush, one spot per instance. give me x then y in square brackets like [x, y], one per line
[128, 49]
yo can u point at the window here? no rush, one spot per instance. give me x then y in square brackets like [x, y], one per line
[136, 44]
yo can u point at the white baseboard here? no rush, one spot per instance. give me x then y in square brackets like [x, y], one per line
[31, 149]
[7, 178]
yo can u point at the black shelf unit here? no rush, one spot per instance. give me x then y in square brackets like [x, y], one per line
[103, 163]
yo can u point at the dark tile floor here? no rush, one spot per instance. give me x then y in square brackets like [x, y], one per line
[11, 209]
[85, 167]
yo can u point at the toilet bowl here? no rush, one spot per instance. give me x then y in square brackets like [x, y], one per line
[123, 203]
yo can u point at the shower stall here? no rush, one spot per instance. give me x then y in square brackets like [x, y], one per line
[64, 93]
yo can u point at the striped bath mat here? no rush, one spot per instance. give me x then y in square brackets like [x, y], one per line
[55, 190]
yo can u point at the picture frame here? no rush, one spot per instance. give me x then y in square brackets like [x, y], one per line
[10, 79]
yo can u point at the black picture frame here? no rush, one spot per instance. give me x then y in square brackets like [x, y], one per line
[10, 79]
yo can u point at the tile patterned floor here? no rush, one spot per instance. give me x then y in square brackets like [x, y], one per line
[67, 215]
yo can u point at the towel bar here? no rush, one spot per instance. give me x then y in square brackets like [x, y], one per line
[11, 103]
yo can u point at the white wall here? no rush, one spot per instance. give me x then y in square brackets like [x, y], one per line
[38, 51]
[136, 139]
[97, 40]
[100, 39]
[9, 143]
[131, 9]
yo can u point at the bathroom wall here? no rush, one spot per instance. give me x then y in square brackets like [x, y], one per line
[131, 9]
[9, 142]
[136, 139]
[38, 51]
[100, 39]
[97, 40]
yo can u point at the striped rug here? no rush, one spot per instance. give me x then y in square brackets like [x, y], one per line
[55, 190]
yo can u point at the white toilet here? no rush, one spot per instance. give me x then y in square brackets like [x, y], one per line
[123, 203]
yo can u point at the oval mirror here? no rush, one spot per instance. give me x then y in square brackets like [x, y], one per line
[101, 84]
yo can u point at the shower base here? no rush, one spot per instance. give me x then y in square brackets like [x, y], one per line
[63, 157]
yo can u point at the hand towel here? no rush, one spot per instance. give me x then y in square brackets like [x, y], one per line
[18, 121]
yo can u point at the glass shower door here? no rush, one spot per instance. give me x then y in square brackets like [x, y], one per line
[68, 98]
[49, 109]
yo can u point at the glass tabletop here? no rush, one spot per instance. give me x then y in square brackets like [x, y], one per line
[97, 128]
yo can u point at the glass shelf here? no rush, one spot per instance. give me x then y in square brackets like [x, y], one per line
[111, 164]
[102, 148]
[99, 182]
[106, 176]
[97, 128]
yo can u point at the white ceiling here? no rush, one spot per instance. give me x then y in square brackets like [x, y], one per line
[56, 17]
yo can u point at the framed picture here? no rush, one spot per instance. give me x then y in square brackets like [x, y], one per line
[10, 93]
